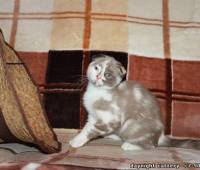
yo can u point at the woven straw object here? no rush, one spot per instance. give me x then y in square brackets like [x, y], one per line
[22, 115]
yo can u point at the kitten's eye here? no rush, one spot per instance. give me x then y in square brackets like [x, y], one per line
[96, 68]
[108, 75]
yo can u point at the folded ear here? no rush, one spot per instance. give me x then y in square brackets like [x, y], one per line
[97, 56]
[122, 70]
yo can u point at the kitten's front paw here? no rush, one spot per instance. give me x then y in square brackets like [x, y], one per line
[77, 142]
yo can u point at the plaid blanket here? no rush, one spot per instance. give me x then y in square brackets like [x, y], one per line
[160, 37]
[99, 154]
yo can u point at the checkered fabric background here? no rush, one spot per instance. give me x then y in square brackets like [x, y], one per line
[161, 39]
[153, 28]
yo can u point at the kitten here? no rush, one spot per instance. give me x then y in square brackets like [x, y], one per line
[119, 109]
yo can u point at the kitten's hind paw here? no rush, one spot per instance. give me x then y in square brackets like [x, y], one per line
[128, 146]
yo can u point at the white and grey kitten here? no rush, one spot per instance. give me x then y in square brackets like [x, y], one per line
[119, 109]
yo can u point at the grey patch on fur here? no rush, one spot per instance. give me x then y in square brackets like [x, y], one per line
[100, 125]
[101, 105]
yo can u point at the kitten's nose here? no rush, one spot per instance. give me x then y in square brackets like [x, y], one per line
[98, 77]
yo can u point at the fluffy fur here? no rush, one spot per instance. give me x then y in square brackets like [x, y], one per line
[122, 110]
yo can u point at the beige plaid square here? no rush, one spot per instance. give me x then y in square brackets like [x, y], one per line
[67, 34]
[119, 7]
[69, 5]
[6, 6]
[145, 9]
[6, 26]
[107, 35]
[144, 39]
[36, 6]
[32, 33]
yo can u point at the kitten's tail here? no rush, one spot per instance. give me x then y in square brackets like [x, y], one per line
[166, 141]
